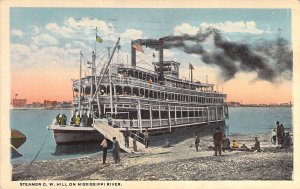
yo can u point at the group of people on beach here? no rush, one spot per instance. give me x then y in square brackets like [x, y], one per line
[116, 145]
[281, 136]
[115, 150]
[222, 143]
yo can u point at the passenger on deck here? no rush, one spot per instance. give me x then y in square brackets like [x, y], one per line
[57, 119]
[77, 121]
[116, 150]
[72, 121]
[131, 123]
[85, 120]
[225, 143]
[235, 145]
[60, 120]
[256, 146]
[90, 121]
[109, 120]
[64, 119]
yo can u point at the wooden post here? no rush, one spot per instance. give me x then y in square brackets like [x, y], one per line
[159, 113]
[139, 116]
[216, 113]
[175, 115]
[208, 116]
[151, 119]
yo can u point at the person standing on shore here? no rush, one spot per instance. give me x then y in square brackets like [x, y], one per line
[104, 147]
[135, 138]
[218, 135]
[116, 150]
[146, 137]
[197, 141]
[131, 123]
[274, 134]
[280, 132]
[126, 137]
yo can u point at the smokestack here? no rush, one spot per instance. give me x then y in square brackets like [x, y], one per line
[161, 58]
[133, 55]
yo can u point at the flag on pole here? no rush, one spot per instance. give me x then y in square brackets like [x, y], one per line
[99, 39]
[191, 66]
[138, 47]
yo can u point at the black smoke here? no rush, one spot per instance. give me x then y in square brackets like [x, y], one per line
[270, 60]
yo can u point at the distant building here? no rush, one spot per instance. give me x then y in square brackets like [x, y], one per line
[50, 104]
[285, 104]
[19, 102]
[233, 104]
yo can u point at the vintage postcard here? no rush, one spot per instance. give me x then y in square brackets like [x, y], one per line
[131, 94]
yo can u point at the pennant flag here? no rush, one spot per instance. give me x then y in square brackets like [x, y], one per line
[138, 47]
[191, 66]
[99, 39]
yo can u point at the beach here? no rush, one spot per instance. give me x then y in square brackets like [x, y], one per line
[179, 162]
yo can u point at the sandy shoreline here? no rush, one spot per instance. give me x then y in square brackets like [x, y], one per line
[179, 162]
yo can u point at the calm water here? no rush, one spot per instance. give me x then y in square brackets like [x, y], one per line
[33, 123]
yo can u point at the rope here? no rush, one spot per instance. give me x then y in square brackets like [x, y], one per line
[27, 168]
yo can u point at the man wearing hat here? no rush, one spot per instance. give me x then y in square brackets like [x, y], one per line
[218, 135]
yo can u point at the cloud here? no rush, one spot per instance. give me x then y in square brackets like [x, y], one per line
[235, 27]
[226, 27]
[17, 33]
[63, 31]
[26, 57]
[83, 28]
[185, 28]
[87, 25]
[44, 39]
[132, 34]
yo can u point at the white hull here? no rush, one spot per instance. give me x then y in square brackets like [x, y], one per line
[70, 134]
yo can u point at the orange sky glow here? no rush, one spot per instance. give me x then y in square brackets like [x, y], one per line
[39, 85]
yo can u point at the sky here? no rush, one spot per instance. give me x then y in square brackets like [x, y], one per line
[45, 45]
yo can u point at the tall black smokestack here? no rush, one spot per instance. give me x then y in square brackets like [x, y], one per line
[161, 58]
[133, 55]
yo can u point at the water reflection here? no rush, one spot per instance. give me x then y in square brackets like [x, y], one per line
[77, 148]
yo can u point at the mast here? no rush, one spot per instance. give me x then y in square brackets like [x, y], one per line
[110, 86]
[79, 103]
[105, 70]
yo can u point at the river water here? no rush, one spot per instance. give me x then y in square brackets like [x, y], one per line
[33, 123]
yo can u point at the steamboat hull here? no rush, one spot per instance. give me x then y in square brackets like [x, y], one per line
[71, 134]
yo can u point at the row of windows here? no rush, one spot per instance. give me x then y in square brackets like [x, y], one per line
[134, 91]
[145, 114]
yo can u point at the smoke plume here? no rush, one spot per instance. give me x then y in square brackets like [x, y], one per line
[270, 60]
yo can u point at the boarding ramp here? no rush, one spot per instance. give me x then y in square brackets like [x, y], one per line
[109, 132]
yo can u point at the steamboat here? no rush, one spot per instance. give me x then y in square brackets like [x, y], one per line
[120, 96]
